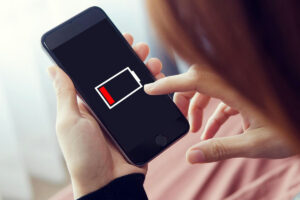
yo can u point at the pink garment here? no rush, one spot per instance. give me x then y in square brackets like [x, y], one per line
[171, 177]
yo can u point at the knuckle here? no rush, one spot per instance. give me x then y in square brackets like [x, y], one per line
[195, 106]
[218, 150]
[194, 72]
[199, 102]
[128, 35]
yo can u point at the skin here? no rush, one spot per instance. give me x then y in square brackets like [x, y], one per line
[193, 91]
[93, 161]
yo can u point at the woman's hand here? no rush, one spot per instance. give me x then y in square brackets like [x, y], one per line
[193, 90]
[92, 160]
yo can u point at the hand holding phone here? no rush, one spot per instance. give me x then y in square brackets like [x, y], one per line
[92, 160]
[109, 77]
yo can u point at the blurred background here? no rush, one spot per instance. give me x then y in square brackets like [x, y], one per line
[31, 165]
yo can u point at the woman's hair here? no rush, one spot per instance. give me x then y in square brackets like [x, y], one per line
[253, 44]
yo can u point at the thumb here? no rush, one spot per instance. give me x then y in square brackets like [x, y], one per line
[65, 92]
[217, 149]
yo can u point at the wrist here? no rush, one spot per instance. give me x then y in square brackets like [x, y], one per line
[83, 187]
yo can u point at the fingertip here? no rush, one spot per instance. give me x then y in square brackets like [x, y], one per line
[155, 64]
[194, 156]
[187, 156]
[209, 132]
[196, 120]
[211, 128]
[142, 49]
[148, 88]
[145, 45]
[193, 129]
[128, 37]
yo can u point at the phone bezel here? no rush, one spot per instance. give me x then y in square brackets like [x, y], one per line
[75, 26]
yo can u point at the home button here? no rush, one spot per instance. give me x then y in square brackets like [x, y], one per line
[161, 140]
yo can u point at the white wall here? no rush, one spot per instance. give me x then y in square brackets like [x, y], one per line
[12, 171]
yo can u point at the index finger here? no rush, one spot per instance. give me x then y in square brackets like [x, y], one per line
[167, 85]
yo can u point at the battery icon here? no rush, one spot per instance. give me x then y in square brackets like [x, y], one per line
[119, 87]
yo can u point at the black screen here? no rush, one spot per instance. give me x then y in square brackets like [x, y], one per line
[110, 78]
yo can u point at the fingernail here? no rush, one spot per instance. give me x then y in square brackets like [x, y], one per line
[148, 87]
[52, 72]
[196, 156]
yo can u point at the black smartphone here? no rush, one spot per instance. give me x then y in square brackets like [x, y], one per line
[109, 77]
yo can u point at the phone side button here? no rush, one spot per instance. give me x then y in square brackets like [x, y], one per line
[161, 140]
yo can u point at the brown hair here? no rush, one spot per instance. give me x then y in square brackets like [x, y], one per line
[253, 44]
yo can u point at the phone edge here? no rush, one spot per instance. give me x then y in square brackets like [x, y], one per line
[53, 57]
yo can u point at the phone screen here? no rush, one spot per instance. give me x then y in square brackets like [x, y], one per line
[110, 78]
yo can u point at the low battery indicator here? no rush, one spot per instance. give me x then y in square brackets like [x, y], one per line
[119, 87]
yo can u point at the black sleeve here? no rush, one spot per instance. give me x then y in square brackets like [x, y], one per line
[125, 187]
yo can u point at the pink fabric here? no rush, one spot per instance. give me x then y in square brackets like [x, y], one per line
[171, 177]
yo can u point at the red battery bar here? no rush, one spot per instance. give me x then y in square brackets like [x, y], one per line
[119, 87]
[106, 95]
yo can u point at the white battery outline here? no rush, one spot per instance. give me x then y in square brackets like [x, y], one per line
[136, 78]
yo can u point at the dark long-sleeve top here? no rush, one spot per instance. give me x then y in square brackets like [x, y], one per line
[129, 187]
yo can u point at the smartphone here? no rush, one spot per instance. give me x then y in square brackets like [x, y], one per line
[109, 77]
